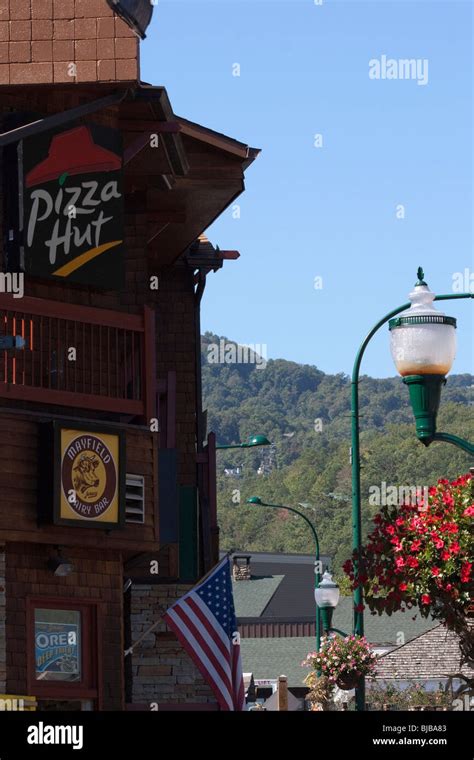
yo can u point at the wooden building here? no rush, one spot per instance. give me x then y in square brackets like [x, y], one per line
[106, 469]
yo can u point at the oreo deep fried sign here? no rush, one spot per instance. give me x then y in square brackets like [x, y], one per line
[73, 206]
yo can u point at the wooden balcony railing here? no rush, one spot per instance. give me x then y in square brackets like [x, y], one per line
[79, 356]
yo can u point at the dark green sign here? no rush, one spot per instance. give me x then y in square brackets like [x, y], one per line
[73, 206]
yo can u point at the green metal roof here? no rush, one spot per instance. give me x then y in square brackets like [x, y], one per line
[270, 658]
[383, 629]
[251, 597]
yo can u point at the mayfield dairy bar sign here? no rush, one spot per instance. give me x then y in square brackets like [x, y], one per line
[90, 464]
[73, 206]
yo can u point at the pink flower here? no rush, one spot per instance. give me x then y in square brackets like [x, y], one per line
[469, 511]
[425, 599]
[451, 528]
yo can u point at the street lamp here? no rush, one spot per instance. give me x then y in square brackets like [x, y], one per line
[423, 346]
[414, 352]
[254, 440]
[317, 575]
[327, 597]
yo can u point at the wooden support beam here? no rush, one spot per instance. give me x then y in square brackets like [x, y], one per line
[145, 137]
[159, 221]
[151, 127]
[58, 119]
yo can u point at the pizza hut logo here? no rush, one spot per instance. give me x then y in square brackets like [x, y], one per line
[88, 476]
[73, 205]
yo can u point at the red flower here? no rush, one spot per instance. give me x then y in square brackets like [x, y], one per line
[438, 542]
[359, 607]
[448, 499]
[421, 552]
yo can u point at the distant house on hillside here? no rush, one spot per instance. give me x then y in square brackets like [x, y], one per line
[275, 609]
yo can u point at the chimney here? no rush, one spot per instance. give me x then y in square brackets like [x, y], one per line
[68, 41]
[282, 693]
[241, 567]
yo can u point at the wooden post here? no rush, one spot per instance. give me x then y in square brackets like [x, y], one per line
[149, 364]
[282, 693]
[212, 496]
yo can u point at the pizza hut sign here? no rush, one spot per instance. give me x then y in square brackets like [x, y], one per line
[73, 206]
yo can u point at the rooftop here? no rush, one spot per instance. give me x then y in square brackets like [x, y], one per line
[251, 597]
[432, 654]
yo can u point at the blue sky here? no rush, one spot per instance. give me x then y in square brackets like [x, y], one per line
[329, 211]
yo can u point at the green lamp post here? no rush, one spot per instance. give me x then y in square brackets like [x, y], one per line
[317, 575]
[423, 364]
[254, 440]
[423, 346]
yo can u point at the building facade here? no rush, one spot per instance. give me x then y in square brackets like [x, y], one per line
[107, 471]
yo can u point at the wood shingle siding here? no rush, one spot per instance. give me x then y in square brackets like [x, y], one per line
[19, 451]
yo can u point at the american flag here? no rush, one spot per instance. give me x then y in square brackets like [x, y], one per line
[204, 622]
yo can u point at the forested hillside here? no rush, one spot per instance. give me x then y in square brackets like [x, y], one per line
[305, 413]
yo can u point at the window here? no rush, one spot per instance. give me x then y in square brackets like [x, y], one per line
[63, 648]
[57, 645]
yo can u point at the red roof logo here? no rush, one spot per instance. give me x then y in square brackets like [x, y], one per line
[73, 152]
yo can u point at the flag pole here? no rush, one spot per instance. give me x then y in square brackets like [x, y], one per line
[154, 625]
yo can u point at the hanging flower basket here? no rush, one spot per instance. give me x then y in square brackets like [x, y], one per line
[419, 554]
[343, 661]
[348, 681]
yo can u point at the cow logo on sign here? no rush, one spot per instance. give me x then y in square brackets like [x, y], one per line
[89, 476]
[73, 206]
